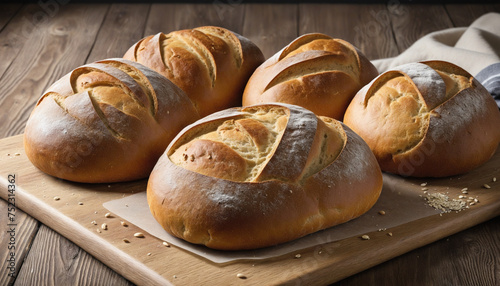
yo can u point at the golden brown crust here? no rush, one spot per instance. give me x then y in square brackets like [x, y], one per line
[211, 64]
[107, 121]
[429, 119]
[321, 174]
[314, 71]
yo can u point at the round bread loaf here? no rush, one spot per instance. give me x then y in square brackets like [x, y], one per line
[211, 64]
[314, 71]
[429, 119]
[107, 121]
[252, 177]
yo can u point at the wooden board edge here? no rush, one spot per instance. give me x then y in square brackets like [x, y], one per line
[127, 266]
[407, 237]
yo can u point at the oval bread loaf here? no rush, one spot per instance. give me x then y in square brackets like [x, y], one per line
[429, 119]
[314, 71]
[107, 121]
[211, 64]
[252, 177]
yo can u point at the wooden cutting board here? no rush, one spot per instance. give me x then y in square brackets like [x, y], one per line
[78, 214]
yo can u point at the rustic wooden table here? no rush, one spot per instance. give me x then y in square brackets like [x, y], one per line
[42, 41]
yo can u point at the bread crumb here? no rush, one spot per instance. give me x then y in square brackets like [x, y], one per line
[139, 235]
[486, 186]
[80, 203]
[166, 244]
[56, 198]
[365, 237]
[423, 184]
[389, 233]
[126, 240]
[124, 224]
[381, 212]
[108, 215]
[104, 226]
[465, 190]
[298, 255]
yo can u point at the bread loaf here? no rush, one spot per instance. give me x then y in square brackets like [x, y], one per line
[314, 71]
[211, 64]
[429, 119]
[258, 176]
[107, 121]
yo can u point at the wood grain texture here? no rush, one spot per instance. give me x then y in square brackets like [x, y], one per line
[123, 26]
[64, 264]
[464, 15]
[368, 27]
[23, 230]
[7, 12]
[411, 22]
[460, 259]
[261, 28]
[48, 54]
[171, 17]
[14, 36]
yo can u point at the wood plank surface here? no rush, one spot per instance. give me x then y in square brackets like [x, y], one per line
[65, 263]
[261, 26]
[7, 12]
[368, 27]
[470, 257]
[460, 259]
[123, 26]
[464, 15]
[47, 56]
[16, 238]
[14, 36]
[78, 214]
[411, 22]
[171, 17]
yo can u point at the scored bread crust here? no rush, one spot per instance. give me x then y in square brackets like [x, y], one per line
[428, 119]
[211, 64]
[314, 71]
[107, 121]
[316, 173]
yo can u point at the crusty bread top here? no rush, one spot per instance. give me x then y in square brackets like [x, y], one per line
[252, 177]
[314, 54]
[106, 121]
[240, 148]
[401, 101]
[426, 119]
[314, 71]
[211, 64]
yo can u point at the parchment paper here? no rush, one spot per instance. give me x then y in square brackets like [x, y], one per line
[400, 203]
